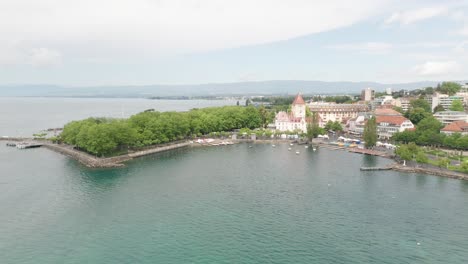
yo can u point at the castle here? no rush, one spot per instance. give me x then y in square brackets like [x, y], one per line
[296, 119]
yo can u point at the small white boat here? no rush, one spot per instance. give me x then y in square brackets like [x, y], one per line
[273, 145]
[297, 152]
[250, 146]
[306, 146]
[289, 149]
[291, 144]
[314, 149]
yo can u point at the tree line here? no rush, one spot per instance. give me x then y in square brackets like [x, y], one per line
[104, 136]
[428, 133]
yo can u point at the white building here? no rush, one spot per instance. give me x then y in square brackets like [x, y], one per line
[295, 120]
[442, 99]
[404, 103]
[336, 112]
[387, 125]
[447, 117]
[383, 100]
[388, 122]
[356, 125]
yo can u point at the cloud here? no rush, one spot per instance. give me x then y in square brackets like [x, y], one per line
[15, 54]
[128, 27]
[417, 15]
[437, 68]
[40, 57]
[368, 47]
[463, 31]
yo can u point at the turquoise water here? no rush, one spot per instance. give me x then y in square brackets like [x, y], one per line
[230, 204]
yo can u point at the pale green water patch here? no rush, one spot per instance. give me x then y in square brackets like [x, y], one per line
[230, 204]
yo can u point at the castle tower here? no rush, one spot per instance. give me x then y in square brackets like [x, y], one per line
[299, 107]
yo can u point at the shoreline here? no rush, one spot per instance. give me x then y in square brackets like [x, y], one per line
[91, 161]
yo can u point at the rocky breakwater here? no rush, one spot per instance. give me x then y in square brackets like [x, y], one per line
[432, 170]
[111, 162]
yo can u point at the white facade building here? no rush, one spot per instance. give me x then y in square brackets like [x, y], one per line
[442, 99]
[447, 117]
[336, 112]
[295, 120]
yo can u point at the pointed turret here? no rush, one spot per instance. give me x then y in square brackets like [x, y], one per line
[298, 100]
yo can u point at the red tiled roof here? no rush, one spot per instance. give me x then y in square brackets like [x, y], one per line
[391, 119]
[298, 100]
[387, 112]
[457, 126]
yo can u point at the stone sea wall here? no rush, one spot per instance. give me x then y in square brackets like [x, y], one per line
[96, 162]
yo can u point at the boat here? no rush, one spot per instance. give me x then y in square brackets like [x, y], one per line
[306, 146]
[314, 149]
[291, 144]
[273, 145]
[297, 152]
[289, 149]
[250, 146]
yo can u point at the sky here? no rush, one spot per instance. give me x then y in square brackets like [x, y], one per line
[142, 42]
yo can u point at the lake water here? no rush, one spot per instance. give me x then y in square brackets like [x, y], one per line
[230, 204]
[24, 116]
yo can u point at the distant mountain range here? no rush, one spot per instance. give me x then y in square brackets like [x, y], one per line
[280, 87]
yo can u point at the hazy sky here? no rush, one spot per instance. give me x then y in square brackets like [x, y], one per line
[112, 42]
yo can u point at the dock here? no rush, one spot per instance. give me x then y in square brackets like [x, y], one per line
[376, 168]
[369, 152]
[28, 145]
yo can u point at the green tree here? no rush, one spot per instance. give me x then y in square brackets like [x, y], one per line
[457, 105]
[313, 128]
[370, 133]
[405, 136]
[404, 153]
[329, 125]
[265, 116]
[415, 115]
[421, 103]
[439, 108]
[398, 109]
[464, 166]
[421, 157]
[449, 88]
[430, 123]
[443, 162]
